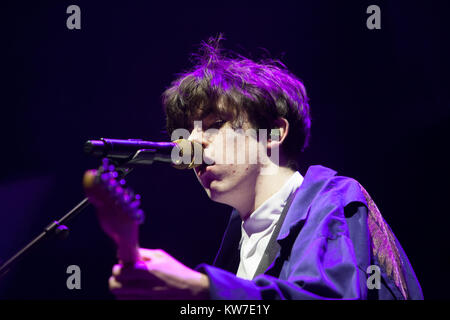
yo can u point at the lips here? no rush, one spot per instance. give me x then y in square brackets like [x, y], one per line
[207, 162]
[205, 174]
[201, 170]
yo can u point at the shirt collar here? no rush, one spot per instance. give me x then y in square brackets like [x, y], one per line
[269, 211]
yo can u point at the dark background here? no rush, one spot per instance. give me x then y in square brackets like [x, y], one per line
[380, 109]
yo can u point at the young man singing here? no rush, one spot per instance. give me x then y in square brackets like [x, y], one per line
[317, 236]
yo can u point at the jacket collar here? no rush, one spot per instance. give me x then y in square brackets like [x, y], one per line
[314, 180]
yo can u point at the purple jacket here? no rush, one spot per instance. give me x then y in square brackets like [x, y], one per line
[331, 234]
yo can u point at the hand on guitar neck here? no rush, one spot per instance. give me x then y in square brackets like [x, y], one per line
[117, 210]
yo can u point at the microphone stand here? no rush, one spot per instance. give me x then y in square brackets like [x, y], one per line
[55, 228]
[59, 227]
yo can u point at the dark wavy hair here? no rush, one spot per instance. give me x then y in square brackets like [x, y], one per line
[238, 89]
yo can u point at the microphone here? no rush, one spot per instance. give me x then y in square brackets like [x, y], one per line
[182, 153]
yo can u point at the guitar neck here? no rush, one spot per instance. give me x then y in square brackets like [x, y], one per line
[117, 210]
[128, 249]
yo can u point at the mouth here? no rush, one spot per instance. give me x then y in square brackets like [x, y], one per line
[205, 175]
[201, 169]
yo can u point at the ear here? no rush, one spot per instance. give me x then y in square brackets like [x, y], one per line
[278, 133]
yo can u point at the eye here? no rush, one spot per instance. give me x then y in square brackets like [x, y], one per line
[217, 124]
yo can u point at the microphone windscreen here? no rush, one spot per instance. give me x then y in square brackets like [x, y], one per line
[190, 152]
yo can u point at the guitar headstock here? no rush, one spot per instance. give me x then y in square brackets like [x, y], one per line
[106, 188]
[118, 208]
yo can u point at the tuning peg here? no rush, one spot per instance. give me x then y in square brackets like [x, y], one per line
[135, 204]
[111, 184]
[104, 176]
[126, 197]
[105, 164]
[119, 190]
[138, 215]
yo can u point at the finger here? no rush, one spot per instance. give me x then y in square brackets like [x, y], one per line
[114, 284]
[116, 270]
[127, 269]
[134, 286]
[134, 271]
[131, 288]
[139, 280]
[149, 254]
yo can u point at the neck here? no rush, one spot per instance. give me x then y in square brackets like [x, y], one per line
[265, 186]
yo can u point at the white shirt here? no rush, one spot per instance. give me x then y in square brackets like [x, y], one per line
[259, 227]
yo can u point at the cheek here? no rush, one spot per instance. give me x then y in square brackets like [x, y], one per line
[236, 148]
[241, 150]
[243, 173]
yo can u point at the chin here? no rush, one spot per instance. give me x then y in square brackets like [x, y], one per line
[214, 191]
[218, 192]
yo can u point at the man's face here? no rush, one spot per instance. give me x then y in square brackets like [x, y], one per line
[232, 174]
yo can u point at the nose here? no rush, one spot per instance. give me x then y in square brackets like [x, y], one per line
[199, 136]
